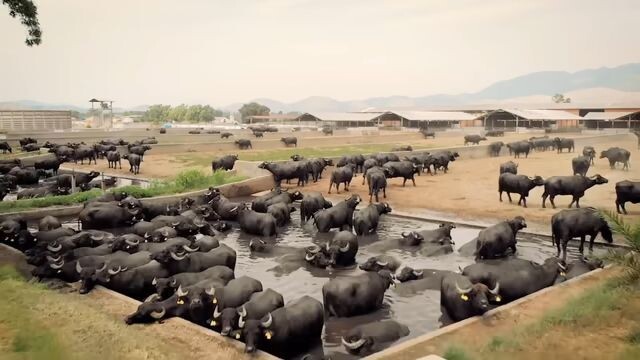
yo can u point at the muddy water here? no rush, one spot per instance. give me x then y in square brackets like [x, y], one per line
[419, 310]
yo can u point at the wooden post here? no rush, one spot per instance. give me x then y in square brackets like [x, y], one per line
[102, 181]
[73, 181]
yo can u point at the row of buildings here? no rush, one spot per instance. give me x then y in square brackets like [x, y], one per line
[487, 116]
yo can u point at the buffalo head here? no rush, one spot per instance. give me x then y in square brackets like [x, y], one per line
[411, 238]
[478, 295]
[148, 311]
[408, 273]
[598, 179]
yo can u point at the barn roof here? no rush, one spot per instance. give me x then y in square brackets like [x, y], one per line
[345, 116]
[530, 114]
[434, 115]
[609, 115]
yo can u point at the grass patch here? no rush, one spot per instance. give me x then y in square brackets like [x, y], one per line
[188, 180]
[634, 336]
[455, 352]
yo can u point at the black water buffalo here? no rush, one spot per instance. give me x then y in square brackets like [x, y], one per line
[460, 298]
[615, 155]
[134, 162]
[243, 144]
[627, 191]
[517, 277]
[4, 146]
[137, 282]
[575, 186]
[260, 201]
[542, 144]
[31, 147]
[311, 203]
[365, 221]
[403, 169]
[42, 191]
[518, 184]
[286, 331]
[426, 133]
[495, 147]
[102, 150]
[317, 167]
[63, 152]
[342, 249]
[338, 216]
[225, 162]
[495, 240]
[154, 308]
[519, 147]
[48, 223]
[107, 215]
[356, 295]
[113, 158]
[285, 197]
[25, 176]
[83, 153]
[139, 150]
[194, 132]
[372, 337]
[377, 180]
[48, 164]
[281, 212]
[342, 175]
[589, 152]
[579, 267]
[286, 171]
[259, 305]
[64, 180]
[234, 294]
[112, 264]
[442, 159]
[291, 140]
[571, 223]
[402, 148]
[167, 286]
[509, 167]
[327, 131]
[580, 165]
[433, 242]
[178, 261]
[225, 135]
[227, 209]
[253, 222]
[473, 139]
[494, 133]
[258, 134]
[564, 143]
[380, 262]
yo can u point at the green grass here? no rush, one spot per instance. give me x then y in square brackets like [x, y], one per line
[285, 154]
[454, 352]
[188, 180]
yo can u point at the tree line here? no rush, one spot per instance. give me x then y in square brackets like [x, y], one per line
[182, 113]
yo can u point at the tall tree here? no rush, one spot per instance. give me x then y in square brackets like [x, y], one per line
[560, 99]
[253, 109]
[157, 113]
[28, 13]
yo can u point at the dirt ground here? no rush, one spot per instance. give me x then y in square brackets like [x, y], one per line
[469, 190]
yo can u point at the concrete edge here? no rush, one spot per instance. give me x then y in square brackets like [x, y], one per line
[389, 352]
[182, 322]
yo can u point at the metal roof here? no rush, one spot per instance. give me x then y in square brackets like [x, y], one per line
[434, 115]
[608, 115]
[345, 116]
[541, 114]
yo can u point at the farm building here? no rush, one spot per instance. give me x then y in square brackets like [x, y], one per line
[512, 118]
[345, 119]
[427, 119]
[272, 118]
[612, 119]
[20, 120]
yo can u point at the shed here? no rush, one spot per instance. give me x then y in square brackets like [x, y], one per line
[343, 119]
[612, 119]
[428, 119]
[529, 118]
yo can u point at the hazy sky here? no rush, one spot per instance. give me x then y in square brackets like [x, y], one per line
[219, 52]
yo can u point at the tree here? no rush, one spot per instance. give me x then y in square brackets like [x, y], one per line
[28, 13]
[253, 109]
[630, 232]
[178, 113]
[157, 113]
[207, 114]
[560, 99]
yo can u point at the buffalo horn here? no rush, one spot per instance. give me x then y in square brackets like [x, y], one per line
[174, 224]
[495, 290]
[158, 314]
[345, 248]
[243, 311]
[310, 257]
[268, 323]
[462, 291]
[97, 237]
[132, 243]
[146, 235]
[216, 313]
[418, 273]
[152, 297]
[56, 266]
[113, 272]
[241, 322]
[53, 259]
[382, 263]
[177, 257]
[210, 291]
[154, 282]
[53, 248]
[353, 345]
[78, 267]
[564, 268]
[164, 232]
[181, 292]
[104, 266]
[404, 235]
[189, 249]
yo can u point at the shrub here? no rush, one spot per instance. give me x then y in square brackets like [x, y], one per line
[629, 260]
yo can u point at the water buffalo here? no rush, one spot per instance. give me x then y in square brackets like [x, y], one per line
[286, 331]
[317, 167]
[627, 191]
[542, 144]
[518, 184]
[83, 153]
[64, 181]
[460, 298]
[342, 249]
[176, 261]
[31, 147]
[259, 305]
[380, 262]
[256, 223]
[25, 176]
[442, 159]
[432, 242]
[113, 158]
[377, 180]
[134, 162]
[225, 135]
[42, 191]
[291, 140]
[509, 167]
[311, 203]
[495, 147]
[243, 144]
[228, 210]
[402, 148]
[338, 216]
[4, 146]
[571, 223]
[403, 169]
[580, 165]
[495, 240]
[616, 154]
[112, 264]
[519, 147]
[426, 133]
[139, 150]
[281, 212]
[165, 287]
[287, 171]
[473, 139]
[234, 294]
[225, 162]
[342, 175]
[365, 221]
[327, 131]
[372, 337]
[356, 295]
[48, 164]
[48, 223]
[563, 143]
[284, 197]
[575, 186]
[107, 215]
[137, 282]
[154, 308]
[517, 277]
[258, 134]
[589, 152]
[494, 133]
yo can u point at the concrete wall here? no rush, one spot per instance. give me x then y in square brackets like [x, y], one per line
[30, 120]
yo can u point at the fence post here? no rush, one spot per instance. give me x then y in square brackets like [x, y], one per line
[73, 181]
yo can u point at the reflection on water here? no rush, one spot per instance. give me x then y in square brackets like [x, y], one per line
[419, 310]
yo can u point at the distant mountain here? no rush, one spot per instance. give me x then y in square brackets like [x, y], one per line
[36, 105]
[583, 86]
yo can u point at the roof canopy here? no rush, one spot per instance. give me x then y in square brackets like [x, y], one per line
[528, 114]
[609, 115]
[344, 116]
[434, 115]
